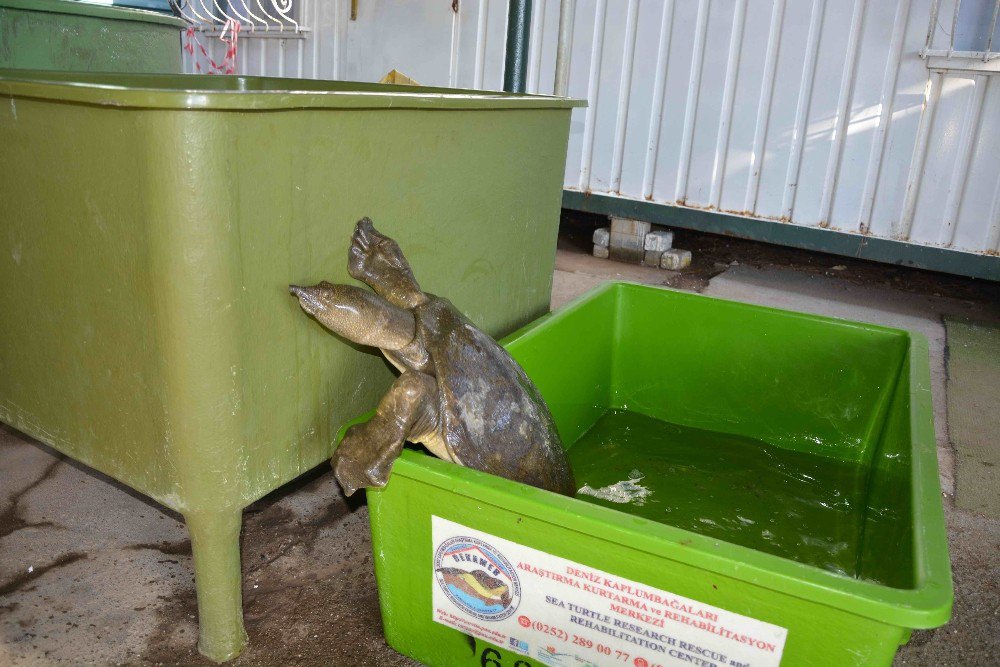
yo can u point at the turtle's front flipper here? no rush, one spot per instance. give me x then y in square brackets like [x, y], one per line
[376, 260]
[367, 452]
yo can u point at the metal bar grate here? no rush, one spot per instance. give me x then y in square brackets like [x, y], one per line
[966, 15]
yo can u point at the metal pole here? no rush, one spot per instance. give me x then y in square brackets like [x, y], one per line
[515, 70]
[564, 46]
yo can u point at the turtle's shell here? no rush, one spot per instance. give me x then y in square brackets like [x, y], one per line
[491, 416]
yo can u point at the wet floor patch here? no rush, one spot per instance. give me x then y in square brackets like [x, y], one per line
[11, 514]
[21, 580]
[973, 362]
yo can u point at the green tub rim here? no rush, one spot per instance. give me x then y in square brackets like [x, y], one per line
[96, 11]
[927, 605]
[222, 93]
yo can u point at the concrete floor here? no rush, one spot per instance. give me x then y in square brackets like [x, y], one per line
[91, 573]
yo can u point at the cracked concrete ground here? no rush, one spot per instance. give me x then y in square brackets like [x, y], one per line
[92, 573]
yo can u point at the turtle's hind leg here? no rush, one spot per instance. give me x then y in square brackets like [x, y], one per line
[367, 452]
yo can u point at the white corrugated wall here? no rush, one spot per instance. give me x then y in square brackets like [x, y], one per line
[818, 113]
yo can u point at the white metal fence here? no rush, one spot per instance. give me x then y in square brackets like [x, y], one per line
[874, 117]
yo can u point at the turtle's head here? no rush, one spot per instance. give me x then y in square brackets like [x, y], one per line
[377, 260]
[318, 300]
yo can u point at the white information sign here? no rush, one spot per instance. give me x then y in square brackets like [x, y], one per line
[559, 612]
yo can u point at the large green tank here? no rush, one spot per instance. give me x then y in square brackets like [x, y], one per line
[152, 225]
[81, 37]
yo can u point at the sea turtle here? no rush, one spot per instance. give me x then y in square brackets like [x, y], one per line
[459, 393]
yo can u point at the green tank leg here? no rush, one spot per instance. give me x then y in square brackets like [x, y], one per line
[215, 544]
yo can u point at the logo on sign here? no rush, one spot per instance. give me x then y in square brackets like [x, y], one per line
[477, 578]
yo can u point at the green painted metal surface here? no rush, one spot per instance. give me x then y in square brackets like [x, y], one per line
[889, 251]
[855, 394]
[75, 36]
[515, 66]
[152, 225]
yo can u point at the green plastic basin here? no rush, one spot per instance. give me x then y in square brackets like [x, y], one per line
[152, 225]
[852, 395]
[83, 37]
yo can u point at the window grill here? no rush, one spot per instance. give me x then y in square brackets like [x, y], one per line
[968, 32]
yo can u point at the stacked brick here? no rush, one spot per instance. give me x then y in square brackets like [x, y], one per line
[635, 242]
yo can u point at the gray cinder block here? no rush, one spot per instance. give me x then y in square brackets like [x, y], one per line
[659, 240]
[602, 236]
[627, 241]
[632, 227]
[629, 255]
[675, 260]
[626, 248]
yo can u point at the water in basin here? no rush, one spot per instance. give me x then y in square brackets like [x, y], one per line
[792, 504]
